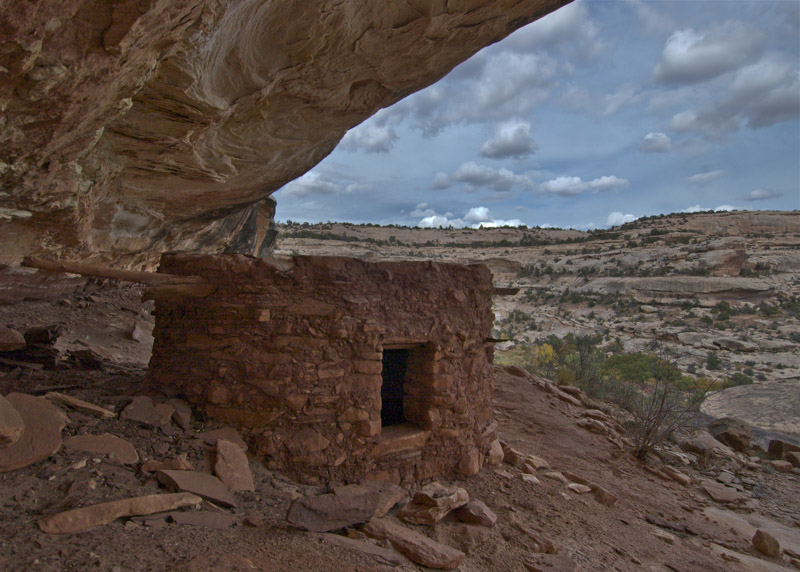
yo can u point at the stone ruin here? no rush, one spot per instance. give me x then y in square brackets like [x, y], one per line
[337, 368]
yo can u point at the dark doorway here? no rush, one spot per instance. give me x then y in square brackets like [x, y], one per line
[395, 363]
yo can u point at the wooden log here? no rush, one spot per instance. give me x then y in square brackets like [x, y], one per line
[164, 285]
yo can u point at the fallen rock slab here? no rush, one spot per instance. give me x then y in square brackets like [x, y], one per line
[232, 467]
[476, 512]
[432, 503]
[778, 447]
[732, 432]
[11, 424]
[678, 476]
[201, 484]
[11, 340]
[415, 546]
[88, 517]
[227, 433]
[79, 404]
[204, 519]
[105, 444]
[383, 555]
[600, 494]
[781, 466]
[178, 463]
[142, 410]
[721, 493]
[346, 506]
[42, 436]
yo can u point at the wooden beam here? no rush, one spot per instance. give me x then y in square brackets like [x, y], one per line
[173, 284]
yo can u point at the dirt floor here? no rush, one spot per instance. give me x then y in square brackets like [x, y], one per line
[532, 419]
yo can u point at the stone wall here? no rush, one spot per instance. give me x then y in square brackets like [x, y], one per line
[293, 354]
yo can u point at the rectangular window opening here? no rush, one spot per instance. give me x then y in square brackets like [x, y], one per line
[393, 374]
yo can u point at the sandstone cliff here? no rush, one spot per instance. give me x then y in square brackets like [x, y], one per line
[141, 125]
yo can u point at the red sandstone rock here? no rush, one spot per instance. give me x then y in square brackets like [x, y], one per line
[349, 505]
[721, 493]
[105, 444]
[781, 466]
[42, 435]
[79, 404]
[11, 424]
[232, 467]
[201, 484]
[432, 503]
[766, 543]
[416, 547]
[142, 410]
[88, 517]
[178, 464]
[476, 512]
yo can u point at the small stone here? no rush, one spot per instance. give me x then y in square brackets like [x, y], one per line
[201, 484]
[579, 488]
[11, 424]
[495, 456]
[178, 464]
[11, 340]
[664, 535]
[766, 543]
[678, 476]
[232, 467]
[106, 444]
[476, 512]
[42, 436]
[556, 476]
[781, 466]
[143, 411]
[227, 433]
[415, 546]
[183, 413]
[530, 479]
[88, 517]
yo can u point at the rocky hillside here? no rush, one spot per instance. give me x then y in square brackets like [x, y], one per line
[719, 292]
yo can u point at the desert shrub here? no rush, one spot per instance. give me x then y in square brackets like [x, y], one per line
[737, 379]
[713, 362]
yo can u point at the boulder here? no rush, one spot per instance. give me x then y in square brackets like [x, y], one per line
[42, 435]
[732, 432]
[476, 512]
[11, 340]
[11, 424]
[781, 466]
[415, 546]
[778, 447]
[766, 543]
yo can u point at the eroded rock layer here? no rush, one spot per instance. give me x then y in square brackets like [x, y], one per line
[135, 126]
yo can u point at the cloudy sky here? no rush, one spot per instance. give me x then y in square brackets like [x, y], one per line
[601, 112]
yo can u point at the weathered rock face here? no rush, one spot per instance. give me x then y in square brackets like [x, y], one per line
[152, 124]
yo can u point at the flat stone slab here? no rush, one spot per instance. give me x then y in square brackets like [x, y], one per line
[201, 484]
[88, 517]
[721, 493]
[397, 438]
[348, 505]
[79, 404]
[432, 503]
[232, 467]
[142, 410]
[415, 546]
[204, 519]
[11, 424]
[42, 435]
[105, 444]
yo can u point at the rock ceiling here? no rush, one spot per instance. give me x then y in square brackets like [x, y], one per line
[129, 127]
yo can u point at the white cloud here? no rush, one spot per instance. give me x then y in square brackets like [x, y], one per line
[652, 20]
[476, 217]
[441, 181]
[725, 208]
[479, 176]
[699, 209]
[312, 183]
[762, 195]
[655, 143]
[617, 218]
[690, 56]
[571, 186]
[624, 95]
[759, 95]
[370, 138]
[705, 178]
[512, 140]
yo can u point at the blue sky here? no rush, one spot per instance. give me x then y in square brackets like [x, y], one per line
[597, 114]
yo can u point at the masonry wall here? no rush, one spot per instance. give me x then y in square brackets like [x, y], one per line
[293, 356]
